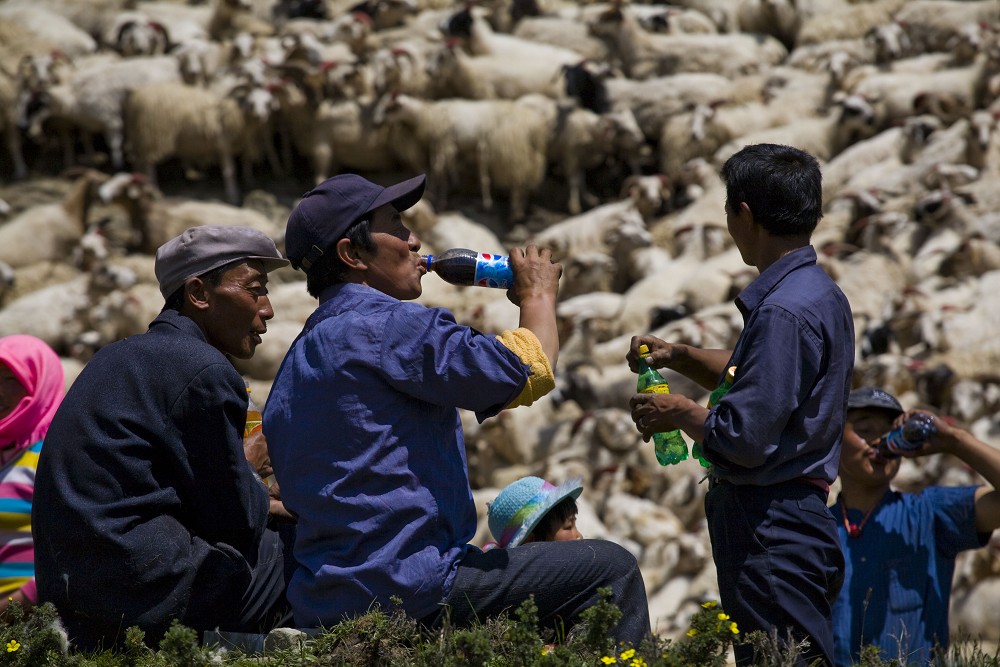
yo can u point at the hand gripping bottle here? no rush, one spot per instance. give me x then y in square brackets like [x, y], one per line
[911, 435]
[713, 398]
[461, 266]
[669, 446]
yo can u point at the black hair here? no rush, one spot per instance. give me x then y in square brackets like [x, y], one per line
[782, 186]
[214, 278]
[549, 525]
[329, 269]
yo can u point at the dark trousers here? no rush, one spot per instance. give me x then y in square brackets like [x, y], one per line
[779, 562]
[264, 605]
[563, 577]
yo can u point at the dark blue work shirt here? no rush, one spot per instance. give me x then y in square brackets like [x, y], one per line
[366, 443]
[784, 415]
[897, 583]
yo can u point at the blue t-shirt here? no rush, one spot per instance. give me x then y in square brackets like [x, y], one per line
[366, 443]
[897, 582]
[784, 415]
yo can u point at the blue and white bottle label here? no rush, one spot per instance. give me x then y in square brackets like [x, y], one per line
[493, 271]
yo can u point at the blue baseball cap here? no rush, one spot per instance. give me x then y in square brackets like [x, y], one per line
[871, 397]
[324, 214]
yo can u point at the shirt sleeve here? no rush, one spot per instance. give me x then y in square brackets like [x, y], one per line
[428, 355]
[778, 363]
[954, 511]
[526, 345]
[232, 504]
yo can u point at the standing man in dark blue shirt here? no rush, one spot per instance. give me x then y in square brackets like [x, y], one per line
[774, 438]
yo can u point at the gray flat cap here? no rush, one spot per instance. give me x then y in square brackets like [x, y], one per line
[198, 250]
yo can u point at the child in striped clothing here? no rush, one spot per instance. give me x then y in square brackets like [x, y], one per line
[31, 388]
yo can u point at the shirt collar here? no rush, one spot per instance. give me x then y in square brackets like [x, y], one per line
[176, 320]
[754, 293]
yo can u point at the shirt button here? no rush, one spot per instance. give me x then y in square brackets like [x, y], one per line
[863, 559]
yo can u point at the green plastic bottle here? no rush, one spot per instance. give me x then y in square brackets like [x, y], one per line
[714, 398]
[669, 446]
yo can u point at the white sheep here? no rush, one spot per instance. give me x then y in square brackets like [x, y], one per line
[9, 130]
[645, 54]
[341, 133]
[157, 220]
[566, 33]
[848, 22]
[50, 231]
[455, 73]
[480, 39]
[824, 137]
[503, 143]
[581, 139]
[94, 99]
[201, 128]
[705, 128]
[653, 101]
[934, 25]
[778, 18]
[47, 30]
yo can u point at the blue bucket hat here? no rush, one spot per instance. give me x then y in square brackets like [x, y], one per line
[324, 214]
[521, 505]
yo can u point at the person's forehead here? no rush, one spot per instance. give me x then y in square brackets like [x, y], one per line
[869, 414]
[247, 269]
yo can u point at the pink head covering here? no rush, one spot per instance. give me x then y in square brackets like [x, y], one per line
[37, 367]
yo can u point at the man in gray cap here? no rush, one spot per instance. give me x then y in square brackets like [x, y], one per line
[900, 548]
[366, 439]
[146, 506]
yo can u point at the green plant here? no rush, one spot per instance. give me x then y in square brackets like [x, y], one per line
[35, 638]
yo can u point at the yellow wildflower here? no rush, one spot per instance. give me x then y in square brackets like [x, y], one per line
[709, 604]
[628, 654]
[692, 632]
[609, 660]
[13, 645]
[733, 628]
[723, 617]
[637, 662]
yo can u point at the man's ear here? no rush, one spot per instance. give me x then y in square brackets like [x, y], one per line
[196, 293]
[349, 255]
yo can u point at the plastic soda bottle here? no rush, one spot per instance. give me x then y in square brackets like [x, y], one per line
[461, 266]
[911, 435]
[255, 421]
[713, 398]
[254, 418]
[669, 446]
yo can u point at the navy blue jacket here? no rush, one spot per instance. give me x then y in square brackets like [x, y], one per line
[145, 507]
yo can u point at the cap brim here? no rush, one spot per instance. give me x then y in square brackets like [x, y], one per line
[401, 195]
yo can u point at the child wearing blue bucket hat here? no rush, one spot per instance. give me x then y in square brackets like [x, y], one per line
[534, 510]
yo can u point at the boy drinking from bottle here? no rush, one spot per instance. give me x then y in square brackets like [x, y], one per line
[900, 548]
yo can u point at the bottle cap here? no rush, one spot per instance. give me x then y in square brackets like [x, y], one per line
[643, 350]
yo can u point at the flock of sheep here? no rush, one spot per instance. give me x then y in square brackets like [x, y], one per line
[596, 129]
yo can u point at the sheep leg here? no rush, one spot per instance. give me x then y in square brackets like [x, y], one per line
[575, 179]
[271, 154]
[322, 157]
[442, 176]
[229, 177]
[518, 204]
[116, 141]
[16, 153]
[484, 175]
[246, 167]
